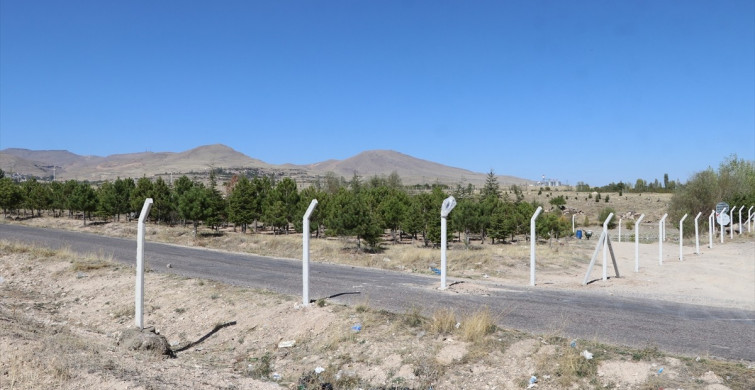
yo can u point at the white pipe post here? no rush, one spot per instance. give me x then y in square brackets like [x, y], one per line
[711, 228]
[720, 219]
[660, 239]
[740, 219]
[681, 236]
[731, 223]
[697, 234]
[620, 219]
[305, 253]
[605, 247]
[448, 205]
[572, 223]
[637, 243]
[533, 239]
[749, 219]
[139, 294]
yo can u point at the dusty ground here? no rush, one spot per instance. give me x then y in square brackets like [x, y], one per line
[64, 317]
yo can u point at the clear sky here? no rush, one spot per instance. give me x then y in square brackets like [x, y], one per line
[593, 91]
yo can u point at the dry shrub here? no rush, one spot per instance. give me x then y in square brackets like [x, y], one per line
[443, 321]
[478, 325]
[571, 366]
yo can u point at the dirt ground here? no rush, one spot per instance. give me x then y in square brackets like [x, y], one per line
[66, 321]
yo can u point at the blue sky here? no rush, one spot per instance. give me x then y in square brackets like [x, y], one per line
[593, 91]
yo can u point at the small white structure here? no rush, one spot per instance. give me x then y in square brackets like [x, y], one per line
[697, 233]
[604, 240]
[711, 227]
[681, 237]
[661, 228]
[139, 293]
[305, 253]
[637, 243]
[533, 241]
[445, 209]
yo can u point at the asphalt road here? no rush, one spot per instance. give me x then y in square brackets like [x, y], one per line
[685, 329]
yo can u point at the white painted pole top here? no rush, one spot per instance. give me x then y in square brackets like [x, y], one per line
[448, 205]
[310, 209]
[145, 210]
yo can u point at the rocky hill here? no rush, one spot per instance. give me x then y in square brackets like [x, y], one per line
[66, 165]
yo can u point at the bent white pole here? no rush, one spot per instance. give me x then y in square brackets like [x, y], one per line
[448, 205]
[605, 247]
[572, 223]
[533, 239]
[681, 236]
[720, 220]
[740, 219]
[711, 227]
[731, 222]
[697, 233]
[305, 253]
[139, 294]
[749, 219]
[660, 238]
[637, 243]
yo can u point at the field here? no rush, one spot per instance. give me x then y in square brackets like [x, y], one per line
[66, 320]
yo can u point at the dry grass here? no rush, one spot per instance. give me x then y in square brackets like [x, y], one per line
[476, 326]
[443, 321]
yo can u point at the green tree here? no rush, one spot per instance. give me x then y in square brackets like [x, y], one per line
[392, 210]
[491, 187]
[123, 189]
[558, 201]
[348, 215]
[142, 191]
[84, 200]
[10, 195]
[194, 205]
[604, 214]
[164, 201]
[241, 204]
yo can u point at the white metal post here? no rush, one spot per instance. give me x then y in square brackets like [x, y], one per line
[533, 239]
[740, 219]
[605, 247]
[139, 294]
[620, 219]
[720, 222]
[697, 233]
[731, 218]
[637, 243]
[305, 253]
[749, 219]
[681, 236]
[572, 222]
[660, 239]
[448, 205]
[711, 228]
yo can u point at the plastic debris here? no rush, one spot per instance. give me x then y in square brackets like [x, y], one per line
[276, 376]
[356, 328]
[586, 354]
[319, 370]
[437, 271]
[660, 371]
[573, 343]
[533, 379]
[287, 344]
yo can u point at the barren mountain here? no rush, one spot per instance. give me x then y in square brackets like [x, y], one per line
[199, 160]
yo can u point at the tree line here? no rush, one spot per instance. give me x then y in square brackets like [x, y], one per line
[367, 210]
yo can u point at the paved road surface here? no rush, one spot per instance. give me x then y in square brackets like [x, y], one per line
[691, 330]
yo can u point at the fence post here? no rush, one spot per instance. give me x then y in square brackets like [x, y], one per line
[305, 253]
[660, 238]
[637, 243]
[605, 247]
[533, 240]
[697, 234]
[711, 228]
[448, 205]
[681, 236]
[139, 294]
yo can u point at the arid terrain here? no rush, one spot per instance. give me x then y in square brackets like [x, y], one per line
[66, 320]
